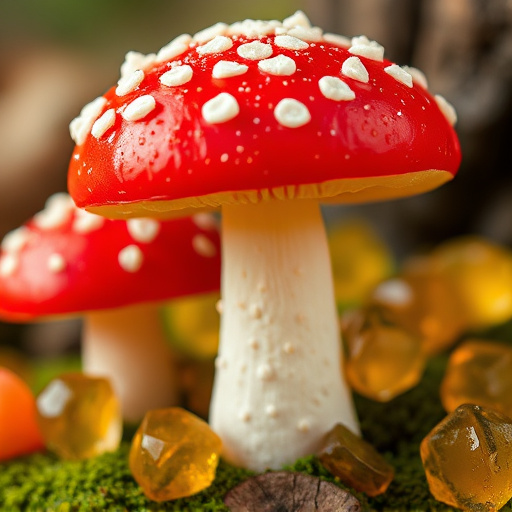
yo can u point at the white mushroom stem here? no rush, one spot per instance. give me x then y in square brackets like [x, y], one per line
[278, 385]
[127, 345]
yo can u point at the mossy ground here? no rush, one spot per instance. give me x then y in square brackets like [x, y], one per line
[43, 483]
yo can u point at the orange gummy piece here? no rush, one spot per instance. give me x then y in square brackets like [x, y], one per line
[355, 461]
[19, 433]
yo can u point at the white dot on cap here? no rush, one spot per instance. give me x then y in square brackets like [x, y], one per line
[311, 34]
[139, 108]
[130, 258]
[16, 239]
[9, 263]
[143, 230]
[336, 39]
[335, 89]
[204, 246]
[280, 66]
[255, 50]
[174, 49]
[297, 19]
[446, 108]
[210, 33]
[354, 68]
[292, 113]
[363, 47]
[136, 60]
[399, 74]
[56, 263]
[418, 77]
[129, 83]
[85, 222]
[290, 42]
[226, 69]
[80, 127]
[218, 44]
[220, 109]
[103, 123]
[178, 75]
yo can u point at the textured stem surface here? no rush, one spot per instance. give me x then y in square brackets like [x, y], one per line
[278, 385]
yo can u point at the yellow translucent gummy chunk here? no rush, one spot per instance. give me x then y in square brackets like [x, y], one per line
[79, 416]
[424, 303]
[479, 372]
[382, 359]
[355, 461]
[467, 459]
[192, 325]
[173, 454]
[360, 259]
[481, 273]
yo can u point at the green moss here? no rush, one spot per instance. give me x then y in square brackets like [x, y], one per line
[43, 483]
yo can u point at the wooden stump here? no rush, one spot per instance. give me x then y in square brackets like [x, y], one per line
[289, 492]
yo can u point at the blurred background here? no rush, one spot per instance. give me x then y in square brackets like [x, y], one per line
[56, 55]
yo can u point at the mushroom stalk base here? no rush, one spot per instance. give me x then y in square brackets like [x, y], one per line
[278, 385]
[127, 346]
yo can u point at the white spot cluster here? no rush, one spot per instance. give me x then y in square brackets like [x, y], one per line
[81, 126]
[294, 33]
[129, 83]
[59, 210]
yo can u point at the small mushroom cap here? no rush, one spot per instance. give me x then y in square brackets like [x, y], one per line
[255, 111]
[65, 260]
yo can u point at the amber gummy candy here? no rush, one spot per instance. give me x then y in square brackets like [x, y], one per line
[79, 416]
[479, 372]
[480, 272]
[382, 359]
[467, 459]
[173, 454]
[422, 302]
[355, 461]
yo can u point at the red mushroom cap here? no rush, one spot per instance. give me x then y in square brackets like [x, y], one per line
[66, 260]
[258, 110]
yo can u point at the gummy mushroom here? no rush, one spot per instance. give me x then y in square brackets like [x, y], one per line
[66, 261]
[265, 119]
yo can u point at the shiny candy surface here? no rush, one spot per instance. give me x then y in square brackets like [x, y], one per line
[382, 359]
[479, 372]
[467, 459]
[79, 416]
[173, 454]
[355, 462]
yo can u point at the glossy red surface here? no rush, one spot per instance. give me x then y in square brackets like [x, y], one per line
[388, 129]
[93, 278]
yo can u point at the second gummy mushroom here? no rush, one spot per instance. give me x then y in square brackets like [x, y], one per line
[113, 274]
[265, 120]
